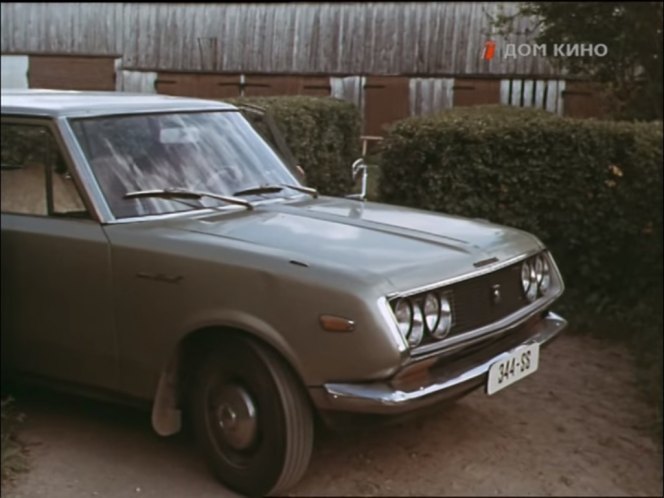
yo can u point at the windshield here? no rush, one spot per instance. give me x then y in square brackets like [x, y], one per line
[217, 152]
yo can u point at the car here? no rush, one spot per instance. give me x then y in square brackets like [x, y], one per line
[157, 250]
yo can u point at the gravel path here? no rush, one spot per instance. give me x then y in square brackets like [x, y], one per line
[576, 427]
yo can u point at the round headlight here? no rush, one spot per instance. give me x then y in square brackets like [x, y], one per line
[417, 329]
[403, 312]
[545, 281]
[538, 265]
[431, 309]
[525, 276]
[529, 280]
[445, 322]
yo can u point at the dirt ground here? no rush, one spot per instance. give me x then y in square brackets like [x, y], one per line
[576, 427]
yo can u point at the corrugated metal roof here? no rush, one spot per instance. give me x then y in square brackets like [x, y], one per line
[417, 38]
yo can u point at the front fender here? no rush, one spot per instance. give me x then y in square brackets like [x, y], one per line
[166, 409]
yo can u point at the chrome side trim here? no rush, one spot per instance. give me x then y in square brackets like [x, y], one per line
[383, 398]
[465, 276]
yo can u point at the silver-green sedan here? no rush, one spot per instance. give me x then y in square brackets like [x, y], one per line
[157, 250]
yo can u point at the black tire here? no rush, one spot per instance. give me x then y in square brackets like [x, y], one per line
[260, 455]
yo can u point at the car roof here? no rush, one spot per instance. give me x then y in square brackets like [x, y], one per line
[60, 103]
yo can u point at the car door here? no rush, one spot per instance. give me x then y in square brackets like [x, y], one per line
[57, 314]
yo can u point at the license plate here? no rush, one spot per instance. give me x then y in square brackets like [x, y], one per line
[520, 363]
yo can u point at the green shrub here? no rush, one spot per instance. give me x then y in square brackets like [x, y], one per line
[591, 190]
[322, 133]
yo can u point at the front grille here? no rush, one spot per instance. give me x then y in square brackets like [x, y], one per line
[473, 303]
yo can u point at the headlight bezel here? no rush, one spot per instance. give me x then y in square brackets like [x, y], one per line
[400, 323]
[417, 327]
[435, 299]
[445, 319]
[415, 320]
[546, 278]
[411, 326]
[539, 276]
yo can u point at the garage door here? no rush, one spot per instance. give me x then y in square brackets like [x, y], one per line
[476, 91]
[386, 100]
[72, 72]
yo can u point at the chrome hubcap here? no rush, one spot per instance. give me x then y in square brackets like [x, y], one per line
[235, 415]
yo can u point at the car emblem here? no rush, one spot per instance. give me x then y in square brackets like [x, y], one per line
[496, 296]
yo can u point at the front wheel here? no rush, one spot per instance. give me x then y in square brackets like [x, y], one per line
[251, 418]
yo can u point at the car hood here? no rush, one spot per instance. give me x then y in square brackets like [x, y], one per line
[408, 247]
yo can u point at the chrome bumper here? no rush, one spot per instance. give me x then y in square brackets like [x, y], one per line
[448, 379]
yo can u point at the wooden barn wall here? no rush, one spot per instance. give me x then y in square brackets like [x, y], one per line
[391, 59]
[339, 39]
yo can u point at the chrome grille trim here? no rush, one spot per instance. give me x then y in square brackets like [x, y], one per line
[466, 276]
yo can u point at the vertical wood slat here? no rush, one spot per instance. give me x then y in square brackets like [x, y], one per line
[517, 88]
[540, 86]
[137, 81]
[551, 96]
[560, 108]
[505, 91]
[349, 88]
[430, 95]
[527, 93]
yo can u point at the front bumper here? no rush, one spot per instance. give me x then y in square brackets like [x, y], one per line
[448, 378]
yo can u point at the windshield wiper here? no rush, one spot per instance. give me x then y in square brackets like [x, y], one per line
[187, 194]
[271, 189]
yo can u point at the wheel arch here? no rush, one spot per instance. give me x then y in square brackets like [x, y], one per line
[171, 389]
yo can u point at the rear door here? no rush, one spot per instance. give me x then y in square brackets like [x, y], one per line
[57, 314]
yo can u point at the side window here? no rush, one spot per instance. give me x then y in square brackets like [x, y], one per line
[34, 175]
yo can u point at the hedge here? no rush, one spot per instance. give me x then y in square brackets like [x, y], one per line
[591, 190]
[322, 133]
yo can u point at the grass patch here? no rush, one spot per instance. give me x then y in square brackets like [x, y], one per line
[13, 455]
